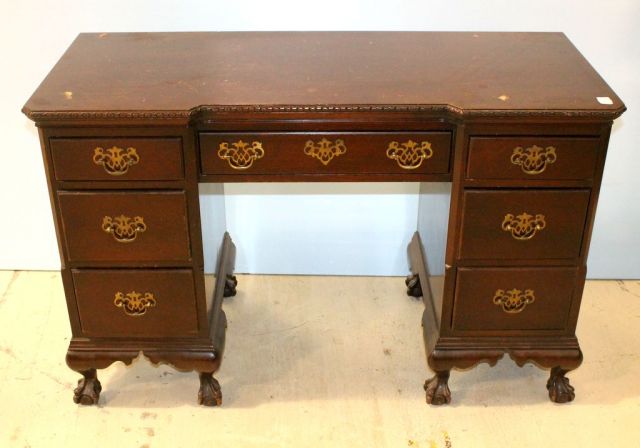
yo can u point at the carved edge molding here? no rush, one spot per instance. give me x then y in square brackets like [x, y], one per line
[102, 115]
[302, 108]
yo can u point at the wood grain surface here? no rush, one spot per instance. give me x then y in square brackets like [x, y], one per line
[173, 73]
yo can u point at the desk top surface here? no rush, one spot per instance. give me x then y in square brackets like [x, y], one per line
[146, 73]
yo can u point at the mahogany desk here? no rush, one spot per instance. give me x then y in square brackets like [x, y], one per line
[130, 123]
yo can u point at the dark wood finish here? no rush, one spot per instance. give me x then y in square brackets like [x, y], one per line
[89, 388]
[166, 237]
[560, 391]
[447, 348]
[210, 393]
[159, 159]
[128, 76]
[475, 96]
[201, 354]
[483, 236]
[437, 389]
[365, 153]
[474, 309]
[174, 313]
[417, 282]
[490, 158]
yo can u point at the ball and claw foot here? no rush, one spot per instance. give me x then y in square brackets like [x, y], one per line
[209, 393]
[414, 289]
[560, 391]
[230, 286]
[88, 390]
[437, 389]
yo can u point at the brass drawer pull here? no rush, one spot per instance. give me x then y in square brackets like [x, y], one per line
[534, 159]
[123, 228]
[115, 161]
[240, 155]
[325, 150]
[524, 226]
[514, 300]
[134, 303]
[409, 155]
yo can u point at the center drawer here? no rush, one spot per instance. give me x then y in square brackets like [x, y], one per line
[325, 153]
[125, 227]
[138, 303]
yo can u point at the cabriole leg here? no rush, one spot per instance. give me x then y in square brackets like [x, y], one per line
[209, 393]
[560, 391]
[437, 388]
[89, 388]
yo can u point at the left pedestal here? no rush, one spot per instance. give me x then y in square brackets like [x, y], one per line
[127, 215]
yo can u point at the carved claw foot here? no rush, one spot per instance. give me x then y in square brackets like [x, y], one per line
[89, 388]
[230, 286]
[437, 389]
[560, 391]
[414, 289]
[209, 393]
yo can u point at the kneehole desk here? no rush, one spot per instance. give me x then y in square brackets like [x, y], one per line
[131, 123]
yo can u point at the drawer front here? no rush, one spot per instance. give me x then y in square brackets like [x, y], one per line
[494, 299]
[81, 159]
[138, 303]
[125, 227]
[523, 224]
[532, 158]
[325, 153]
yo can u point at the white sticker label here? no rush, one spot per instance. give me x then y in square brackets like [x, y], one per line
[604, 100]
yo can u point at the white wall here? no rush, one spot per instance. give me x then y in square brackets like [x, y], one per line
[353, 229]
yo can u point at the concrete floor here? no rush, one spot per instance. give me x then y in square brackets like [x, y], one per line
[316, 361]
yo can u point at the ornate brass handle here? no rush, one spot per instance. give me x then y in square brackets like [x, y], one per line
[115, 161]
[514, 300]
[409, 155]
[534, 159]
[325, 150]
[134, 303]
[123, 228]
[240, 155]
[524, 226]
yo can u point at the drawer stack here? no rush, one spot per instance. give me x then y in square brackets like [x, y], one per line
[123, 215]
[524, 212]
